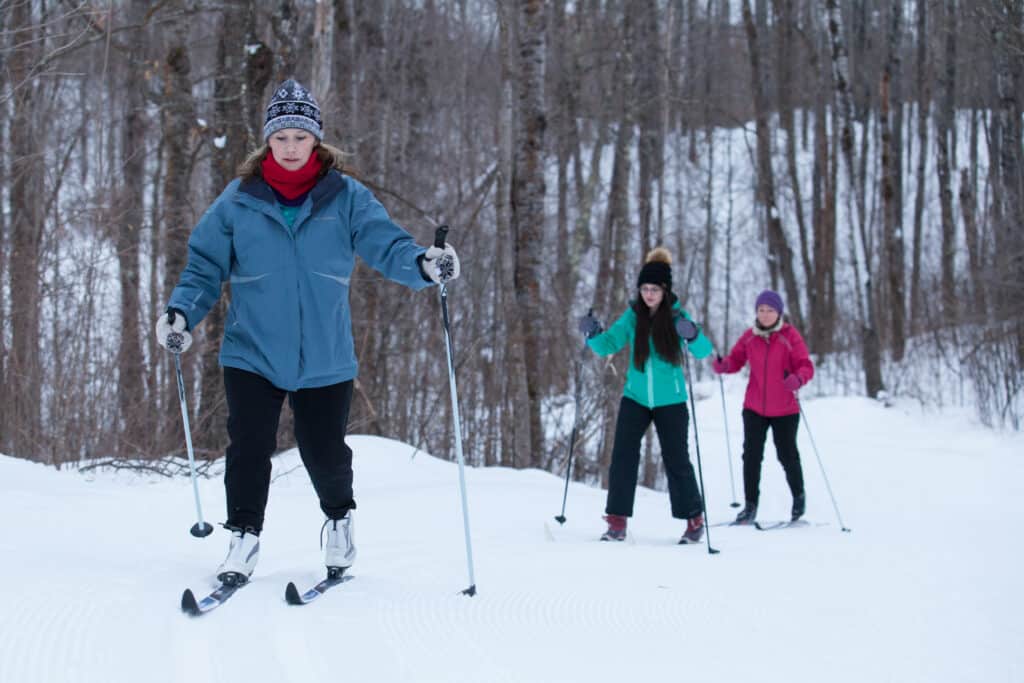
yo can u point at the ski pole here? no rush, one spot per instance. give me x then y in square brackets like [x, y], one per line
[444, 267]
[696, 442]
[575, 427]
[823, 475]
[201, 528]
[728, 446]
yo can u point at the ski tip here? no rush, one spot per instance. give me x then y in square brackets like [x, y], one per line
[291, 595]
[188, 603]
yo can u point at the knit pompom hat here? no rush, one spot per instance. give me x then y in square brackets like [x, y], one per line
[292, 106]
[657, 269]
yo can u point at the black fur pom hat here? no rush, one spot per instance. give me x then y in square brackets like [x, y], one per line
[657, 269]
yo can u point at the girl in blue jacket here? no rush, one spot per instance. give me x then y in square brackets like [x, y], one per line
[285, 234]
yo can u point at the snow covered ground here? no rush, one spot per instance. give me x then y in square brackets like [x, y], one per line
[925, 588]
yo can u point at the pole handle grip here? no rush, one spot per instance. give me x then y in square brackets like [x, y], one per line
[439, 236]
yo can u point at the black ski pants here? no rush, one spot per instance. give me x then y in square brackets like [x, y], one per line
[755, 432]
[321, 417]
[671, 423]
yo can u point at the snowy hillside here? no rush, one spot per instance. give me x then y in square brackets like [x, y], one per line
[925, 588]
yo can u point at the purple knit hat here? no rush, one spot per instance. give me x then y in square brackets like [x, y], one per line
[769, 298]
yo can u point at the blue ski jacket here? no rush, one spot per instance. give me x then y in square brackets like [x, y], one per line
[289, 318]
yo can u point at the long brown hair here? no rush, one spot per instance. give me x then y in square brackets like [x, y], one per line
[660, 327]
[330, 157]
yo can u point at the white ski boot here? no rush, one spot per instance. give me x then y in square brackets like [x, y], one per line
[340, 550]
[243, 553]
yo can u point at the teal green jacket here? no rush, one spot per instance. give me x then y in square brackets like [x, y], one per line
[660, 383]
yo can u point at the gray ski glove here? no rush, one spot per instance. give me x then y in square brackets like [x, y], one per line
[589, 326]
[687, 329]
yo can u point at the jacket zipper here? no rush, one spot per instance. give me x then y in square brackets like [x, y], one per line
[298, 298]
[650, 381]
[764, 384]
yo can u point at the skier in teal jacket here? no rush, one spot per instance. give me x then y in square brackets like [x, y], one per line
[656, 329]
[285, 234]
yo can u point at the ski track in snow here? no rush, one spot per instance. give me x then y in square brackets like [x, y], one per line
[67, 622]
[923, 589]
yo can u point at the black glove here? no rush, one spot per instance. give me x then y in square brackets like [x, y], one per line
[687, 329]
[590, 326]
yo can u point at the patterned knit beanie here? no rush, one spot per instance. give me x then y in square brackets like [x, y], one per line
[292, 106]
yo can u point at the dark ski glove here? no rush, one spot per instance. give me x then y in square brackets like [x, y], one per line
[687, 329]
[590, 326]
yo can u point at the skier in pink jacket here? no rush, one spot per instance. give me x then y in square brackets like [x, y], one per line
[779, 366]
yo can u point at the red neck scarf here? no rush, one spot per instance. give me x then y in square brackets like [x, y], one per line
[291, 184]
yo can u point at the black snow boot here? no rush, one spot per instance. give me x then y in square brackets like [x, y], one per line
[799, 506]
[748, 514]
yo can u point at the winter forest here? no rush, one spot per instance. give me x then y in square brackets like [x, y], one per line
[862, 157]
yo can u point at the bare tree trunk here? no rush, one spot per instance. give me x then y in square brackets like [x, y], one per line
[944, 125]
[869, 336]
[178, 220]
[5, 184]
[610, 295]
[787, 23]
[924, 96]
[24, 370]
[892, 184]
[968, 208]
[728, 249]
[285, 23]
[528, 191]
[231, 91]
[134, 436]
[780, 254]
[822, 275]
[259, 67]
[1009, 204]
[649, 113]
[564, 125]
[709, 192]
[156, 378]
[514, 425]
[323, 53]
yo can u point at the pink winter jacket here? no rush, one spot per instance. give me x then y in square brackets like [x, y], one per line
[771, 359]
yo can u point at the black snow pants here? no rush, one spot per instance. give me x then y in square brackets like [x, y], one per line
[755, 432]
[321, 417]
[671, 423]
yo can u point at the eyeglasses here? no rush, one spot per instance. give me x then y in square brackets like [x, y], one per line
[651, 289]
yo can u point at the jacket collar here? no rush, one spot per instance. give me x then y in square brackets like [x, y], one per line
[257, 193]
[771, 330]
